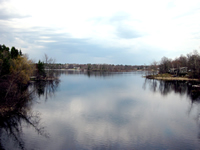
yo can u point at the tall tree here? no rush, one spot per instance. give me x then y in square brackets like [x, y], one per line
[154, 66]
[165, 65]
[183, 61]
[20, 71]
[14, 53]
[20, 52]
[49, 65]
[194, 64]
[40, 69]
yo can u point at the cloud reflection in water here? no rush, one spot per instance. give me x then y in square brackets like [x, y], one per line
[94, 114]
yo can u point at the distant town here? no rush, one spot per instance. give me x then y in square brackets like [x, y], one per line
[98, 67]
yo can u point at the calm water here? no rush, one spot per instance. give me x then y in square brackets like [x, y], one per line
[106, 111]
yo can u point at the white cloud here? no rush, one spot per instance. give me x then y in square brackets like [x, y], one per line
[170, 26]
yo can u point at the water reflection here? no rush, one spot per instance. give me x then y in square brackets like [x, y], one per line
[179, 87]
[11, 125]
[44, 88]
[114, 112]
[17, 120]
[58, 73]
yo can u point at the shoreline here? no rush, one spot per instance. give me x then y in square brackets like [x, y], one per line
[175, 79]
[170, 78]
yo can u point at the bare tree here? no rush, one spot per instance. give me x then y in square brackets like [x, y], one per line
[49, 65]
[165, 65]
[154, 66]
[193, 64]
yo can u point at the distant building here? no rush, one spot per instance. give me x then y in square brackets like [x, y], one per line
[183, 70]
[180, 70]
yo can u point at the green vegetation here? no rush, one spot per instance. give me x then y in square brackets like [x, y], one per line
[15, 72]
[40, 69]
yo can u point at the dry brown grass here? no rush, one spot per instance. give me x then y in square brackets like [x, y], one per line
[176, 78]
[170, 77]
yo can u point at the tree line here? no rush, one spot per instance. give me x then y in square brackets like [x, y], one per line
[96, 67]
[15, 72]
[191, 61]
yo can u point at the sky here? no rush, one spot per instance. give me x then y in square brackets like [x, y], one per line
[127, 32]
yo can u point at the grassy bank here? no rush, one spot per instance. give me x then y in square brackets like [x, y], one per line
[170, 77]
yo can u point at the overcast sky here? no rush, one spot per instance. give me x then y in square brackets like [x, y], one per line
[101, 31]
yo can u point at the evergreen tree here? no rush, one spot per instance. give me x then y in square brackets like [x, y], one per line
[20, 52]
[40, 68]
[14, 53]
[5, 67]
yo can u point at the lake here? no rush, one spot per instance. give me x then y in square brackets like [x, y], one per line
[85, 111]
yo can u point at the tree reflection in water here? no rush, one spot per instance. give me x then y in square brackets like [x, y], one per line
[44, 88]
[178, 87]
[11, 125]
[13, 119]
